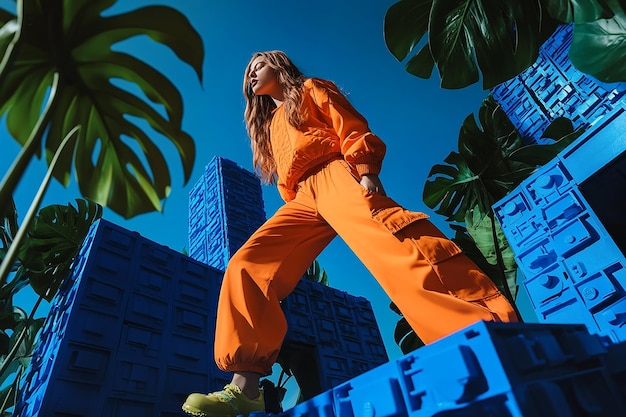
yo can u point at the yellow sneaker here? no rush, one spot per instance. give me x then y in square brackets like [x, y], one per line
[230, 402]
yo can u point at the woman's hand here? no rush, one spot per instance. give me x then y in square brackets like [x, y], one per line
[372, 183]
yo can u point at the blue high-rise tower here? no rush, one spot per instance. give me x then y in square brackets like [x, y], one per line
[225, 208]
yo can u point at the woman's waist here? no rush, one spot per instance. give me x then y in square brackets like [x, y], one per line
[302, 169]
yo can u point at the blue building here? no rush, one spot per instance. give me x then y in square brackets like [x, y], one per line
[552, 87]
[225, 207]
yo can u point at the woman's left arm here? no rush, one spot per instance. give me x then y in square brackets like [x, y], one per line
[359, 146]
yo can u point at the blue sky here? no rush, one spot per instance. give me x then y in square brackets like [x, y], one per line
[337, 40]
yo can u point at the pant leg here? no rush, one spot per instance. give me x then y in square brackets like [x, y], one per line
[437, 288]
[250, 325]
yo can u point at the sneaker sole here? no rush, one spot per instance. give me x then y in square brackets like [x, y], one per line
[194, 411]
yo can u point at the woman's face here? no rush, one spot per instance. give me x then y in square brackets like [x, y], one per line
[262, 78]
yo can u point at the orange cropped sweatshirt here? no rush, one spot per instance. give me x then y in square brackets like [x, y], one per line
[333, 128]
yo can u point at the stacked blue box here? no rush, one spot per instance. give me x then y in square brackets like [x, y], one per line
[552, 87]
[488, 369]
[340, 329]
[128, 334]
[574, 270]
[225, 208]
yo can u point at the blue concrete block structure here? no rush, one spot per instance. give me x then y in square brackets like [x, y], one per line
[131, 332]
[225, 208]
[552, 87]
[488, 369]
[334, 329]
[128, 334]
[566, 226]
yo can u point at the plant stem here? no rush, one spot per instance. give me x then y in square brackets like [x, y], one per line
[16, 171]
[11, 254]
[500, 260]
[12, 49]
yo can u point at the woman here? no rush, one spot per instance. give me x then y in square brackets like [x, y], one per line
[307, 138]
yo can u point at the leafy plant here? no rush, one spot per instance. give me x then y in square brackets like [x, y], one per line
[490, 163]
[316, 273]
[498, 40]
[53, 243]
[70, 41]
[55, 238]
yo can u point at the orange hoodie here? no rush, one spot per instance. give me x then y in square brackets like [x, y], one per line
[332, 129]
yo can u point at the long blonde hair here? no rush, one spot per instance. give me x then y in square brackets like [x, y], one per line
[259, 110]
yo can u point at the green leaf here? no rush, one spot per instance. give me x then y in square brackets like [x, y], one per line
[599, 47]
[54, 241]
[316, 273]
[406, 23]
[25, 351]
[468, 38]
[161, 23]
[117, 163]
[482, 172]
[567, 11]
[542, 154]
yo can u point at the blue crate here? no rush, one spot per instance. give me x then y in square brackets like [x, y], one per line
[132, 314]
[553, 87]
[339, 329]
[574, 269]
[494, 369]
[225, 208]
[597, 147]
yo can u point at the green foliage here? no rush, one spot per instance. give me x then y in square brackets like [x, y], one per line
[73, 39]
[316, 273]
[54, 241]
[599, 46]
[491, 162]
[43, 261]
[467, 38]
[497, 40]
[404, 335]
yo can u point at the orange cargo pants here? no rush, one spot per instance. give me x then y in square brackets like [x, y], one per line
[437, 288]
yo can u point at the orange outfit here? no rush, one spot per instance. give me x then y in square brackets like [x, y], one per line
[437, 288]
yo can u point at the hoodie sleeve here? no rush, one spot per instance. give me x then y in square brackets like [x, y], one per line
[359, 146]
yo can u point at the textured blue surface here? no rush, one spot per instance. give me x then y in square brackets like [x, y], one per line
[574, 270]
[552, 87]
[129, 331]
[225, 208]
[132, 330]
[489, 369]
[340, 329]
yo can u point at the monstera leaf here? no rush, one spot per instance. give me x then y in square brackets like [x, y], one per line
[480, 173]
[54, 241]
[467, 38]
[116, 161]
[599, 46]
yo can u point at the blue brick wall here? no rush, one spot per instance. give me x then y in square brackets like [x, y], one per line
[339, 329]
[128, 333]
[131, 332]
[574, 269]
[553, 87]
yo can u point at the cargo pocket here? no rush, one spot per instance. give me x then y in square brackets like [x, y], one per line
[456, 272]
[396, 218]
